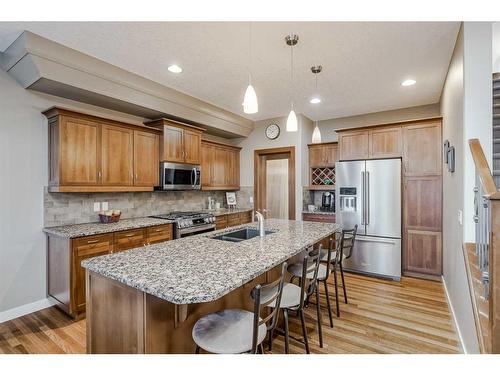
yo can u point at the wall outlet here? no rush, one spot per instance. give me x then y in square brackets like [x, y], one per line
[460, 217]
[105, 206]
[97, 206]
[251, 199]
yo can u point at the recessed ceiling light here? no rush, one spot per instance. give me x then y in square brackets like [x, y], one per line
[315, 100]
[408, 82]
[175, 69]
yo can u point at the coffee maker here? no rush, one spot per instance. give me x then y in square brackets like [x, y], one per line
[328, 201]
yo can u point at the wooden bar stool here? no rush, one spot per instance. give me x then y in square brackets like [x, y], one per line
[234, 331]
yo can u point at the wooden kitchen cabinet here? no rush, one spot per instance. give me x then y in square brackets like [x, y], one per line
[353, 144]
[384, 142]
[146, 161]
[423, 253]
[93, 154]
[117, 156]
[232, 219]
[422, 149]
[181, 143]
[220, 166]
[323, 155]
[423, 199]
[66, 276]
[221, 222]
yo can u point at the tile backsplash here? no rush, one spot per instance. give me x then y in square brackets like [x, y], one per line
[76, 208]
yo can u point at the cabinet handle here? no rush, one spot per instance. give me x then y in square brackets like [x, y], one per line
[158, 230]
[136, 176]
[92, 241]
[99, 174]
[130, 235]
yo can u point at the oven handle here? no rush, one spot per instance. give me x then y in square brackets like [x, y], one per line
[198, 228]
[193, 172]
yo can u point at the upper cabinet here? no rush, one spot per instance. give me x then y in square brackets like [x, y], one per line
[220, 166]
[374, 143]
[92, 154]
[422, 149]
[323, 155]
[181, 142]
[353, 144]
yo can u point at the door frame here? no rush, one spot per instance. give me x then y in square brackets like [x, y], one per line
[259, 175]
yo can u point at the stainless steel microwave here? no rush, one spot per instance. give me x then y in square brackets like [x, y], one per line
[176, 176]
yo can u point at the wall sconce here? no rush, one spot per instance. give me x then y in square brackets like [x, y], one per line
[449, 156]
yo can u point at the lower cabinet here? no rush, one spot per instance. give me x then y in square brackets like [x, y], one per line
[230, 220]
[423, 252]
[320, 219]
[66, 276]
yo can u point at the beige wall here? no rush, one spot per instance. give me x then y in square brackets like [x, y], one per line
[327, 127]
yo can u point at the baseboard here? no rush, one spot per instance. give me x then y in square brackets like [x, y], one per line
[29, 308]
[455, 322]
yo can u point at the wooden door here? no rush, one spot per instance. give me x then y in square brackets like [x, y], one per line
[146, 161]
[353, 145]
[422, 149]
[207, 161]
[173, 144]
[423, 252]
[117, 156]
[219, 169]
[85, 248]
[192, 146]
[385, 143]
[79, 152]
[317, 156]
[423, 202]
[330, 154]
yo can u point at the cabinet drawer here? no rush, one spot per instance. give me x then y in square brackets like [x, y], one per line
[86, 246]
[233, 219]
[159, 233]
[319, 218]
[221, 222]
[246, 217]
[129, 239]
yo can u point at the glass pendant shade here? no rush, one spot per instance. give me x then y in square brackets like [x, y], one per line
[250, 104]
[316, 137]
[291, 122]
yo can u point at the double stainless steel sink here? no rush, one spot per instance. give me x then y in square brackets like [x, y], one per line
[240, 235]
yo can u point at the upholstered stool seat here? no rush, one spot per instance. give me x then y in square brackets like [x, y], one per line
[290, 297]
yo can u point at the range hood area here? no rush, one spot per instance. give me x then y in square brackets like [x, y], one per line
[43, 65]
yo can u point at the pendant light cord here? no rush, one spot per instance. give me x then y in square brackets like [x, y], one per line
[291, 73]
[249, 53]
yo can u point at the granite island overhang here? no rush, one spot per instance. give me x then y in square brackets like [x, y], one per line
[146, 300]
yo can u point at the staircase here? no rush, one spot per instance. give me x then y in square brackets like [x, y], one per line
[496, 128]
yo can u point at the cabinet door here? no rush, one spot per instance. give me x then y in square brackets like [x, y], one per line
[385, 143]
[331, 154]
[173, 144]
[221, 222]
[84, 248]
[79, 152]
[146, 162]
[207, 161]
[423, 203]
[423, 252]
[233, 168]
[159, 233]
[316, 156]
[233, 219]
[192, 146]
[353, 145]
[117, 156]
[219, 169]
[422, 149]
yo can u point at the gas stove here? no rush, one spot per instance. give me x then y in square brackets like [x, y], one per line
[190, 223]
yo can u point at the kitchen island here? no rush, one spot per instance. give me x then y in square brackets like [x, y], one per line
[146, 300]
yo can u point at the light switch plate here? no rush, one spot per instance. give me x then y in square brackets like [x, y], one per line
[460, 217]
[251, 199]
[105, 206]
[97, 206]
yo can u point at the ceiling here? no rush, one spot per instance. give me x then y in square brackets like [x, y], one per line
[363, 62]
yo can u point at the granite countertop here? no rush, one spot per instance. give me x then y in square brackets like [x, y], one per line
[225, 211]
[202, 269]
[318, 212]
[89, 229]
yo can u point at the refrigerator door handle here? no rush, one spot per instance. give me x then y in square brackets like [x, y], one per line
[376, 239]
[362, 196]
[367, 200]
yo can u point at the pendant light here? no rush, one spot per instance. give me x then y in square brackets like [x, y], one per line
[291, 121]
[316, 136]
[250, 104]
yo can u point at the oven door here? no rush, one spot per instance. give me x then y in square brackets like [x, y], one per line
[186, 232]
[175, 176]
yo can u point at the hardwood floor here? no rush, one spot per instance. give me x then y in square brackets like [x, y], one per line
[411, 316]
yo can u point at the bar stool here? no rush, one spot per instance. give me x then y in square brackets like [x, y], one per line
[293, 299]
[345, 246]
[234, 331]
[316, 277]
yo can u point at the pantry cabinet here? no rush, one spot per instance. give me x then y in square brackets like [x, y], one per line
[66, 276]
[93, 154]
[220, 166]
[181, 143]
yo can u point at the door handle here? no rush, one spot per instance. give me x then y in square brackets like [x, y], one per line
[367, 216]
[375, 239]
[362, 198]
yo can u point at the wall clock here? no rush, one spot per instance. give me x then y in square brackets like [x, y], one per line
[272, 131]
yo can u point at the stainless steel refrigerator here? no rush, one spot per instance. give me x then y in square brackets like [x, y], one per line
[368, 193]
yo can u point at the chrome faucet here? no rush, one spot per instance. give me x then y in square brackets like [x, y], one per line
[260, 219]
